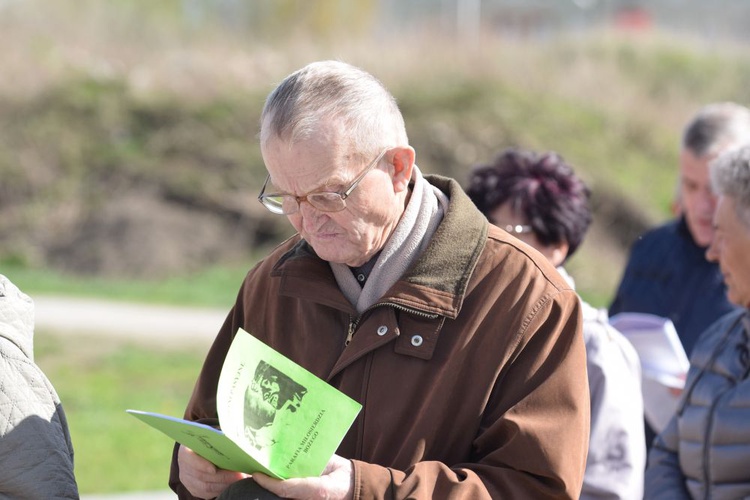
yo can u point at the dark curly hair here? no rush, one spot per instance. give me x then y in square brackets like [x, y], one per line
[542, 188]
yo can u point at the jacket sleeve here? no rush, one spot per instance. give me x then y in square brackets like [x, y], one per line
[533, 439]
[664, 478]
[36, 455]
[202, 405]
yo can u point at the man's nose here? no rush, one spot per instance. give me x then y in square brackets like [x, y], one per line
[310, 215]
[707, 200]
[712, 253]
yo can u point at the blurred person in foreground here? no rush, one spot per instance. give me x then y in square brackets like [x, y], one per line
[36, 453]
[667, 273]
[704, 452]
[538, 198]
[465, 351]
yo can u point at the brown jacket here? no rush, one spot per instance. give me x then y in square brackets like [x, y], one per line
[471, 370]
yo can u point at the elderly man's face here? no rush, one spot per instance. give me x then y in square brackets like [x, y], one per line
[731, 249]
[355, 234]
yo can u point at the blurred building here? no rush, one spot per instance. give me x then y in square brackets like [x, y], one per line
[718, 19]
[714, 20]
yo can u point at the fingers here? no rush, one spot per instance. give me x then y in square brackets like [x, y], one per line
[202, 478]
[336, 483]
[308, 488]
[273, 485]
[336, 462]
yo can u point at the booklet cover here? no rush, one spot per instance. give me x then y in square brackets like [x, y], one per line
[276, 417]
[664, 363]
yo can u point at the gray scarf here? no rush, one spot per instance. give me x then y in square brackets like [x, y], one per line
[413, 233]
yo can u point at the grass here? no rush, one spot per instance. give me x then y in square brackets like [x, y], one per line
[97, 380]
[215, 286]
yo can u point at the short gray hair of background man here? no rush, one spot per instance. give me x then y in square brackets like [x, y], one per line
[714, 129]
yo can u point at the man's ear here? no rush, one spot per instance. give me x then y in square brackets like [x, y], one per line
[402, 164]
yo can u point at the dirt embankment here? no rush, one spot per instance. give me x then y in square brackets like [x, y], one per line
[99, 181]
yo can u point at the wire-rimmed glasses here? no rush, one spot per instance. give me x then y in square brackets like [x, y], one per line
[325, 201]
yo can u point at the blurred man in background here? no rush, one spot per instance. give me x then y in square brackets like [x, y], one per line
[667, 273]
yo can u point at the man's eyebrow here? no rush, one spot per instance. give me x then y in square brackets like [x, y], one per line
[336, 179]
[322, 187]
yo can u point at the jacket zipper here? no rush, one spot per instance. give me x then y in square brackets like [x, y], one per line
[353, 322]
[416, 312]
[352, 326]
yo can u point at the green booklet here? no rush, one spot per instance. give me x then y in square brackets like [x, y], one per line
[276, 417]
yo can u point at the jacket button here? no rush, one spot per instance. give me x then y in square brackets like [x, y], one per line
[416, 340]
[382, 330]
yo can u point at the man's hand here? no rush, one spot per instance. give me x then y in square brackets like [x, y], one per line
[336, 483]
[202, 478]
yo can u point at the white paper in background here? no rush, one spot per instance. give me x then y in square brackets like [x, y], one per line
[664, 363]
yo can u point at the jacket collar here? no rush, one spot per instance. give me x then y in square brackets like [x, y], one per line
[436, 284]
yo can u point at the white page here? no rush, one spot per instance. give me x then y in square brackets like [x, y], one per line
[664, 363]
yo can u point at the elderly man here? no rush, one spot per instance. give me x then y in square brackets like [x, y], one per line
[462, 344]
[704, 452]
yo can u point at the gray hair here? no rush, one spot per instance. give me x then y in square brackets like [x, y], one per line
[334, 93]
[716, 128]
[730, 176]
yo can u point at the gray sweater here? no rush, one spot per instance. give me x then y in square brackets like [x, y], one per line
[36, 454]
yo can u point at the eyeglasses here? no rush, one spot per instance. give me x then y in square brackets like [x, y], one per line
[517, 228]
[325, 201]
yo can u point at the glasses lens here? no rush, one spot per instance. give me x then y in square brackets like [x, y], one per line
[280, 204]
[327, 202]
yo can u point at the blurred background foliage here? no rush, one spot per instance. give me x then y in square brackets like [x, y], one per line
[128, 148]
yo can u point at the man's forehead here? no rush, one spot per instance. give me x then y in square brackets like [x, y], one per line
[321, 148]
[307, 168]
[694, 169]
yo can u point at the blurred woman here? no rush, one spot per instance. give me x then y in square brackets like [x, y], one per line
[704, 452]
[539, 199]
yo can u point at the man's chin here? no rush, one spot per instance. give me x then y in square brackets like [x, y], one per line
[330, 253]
[702, 236]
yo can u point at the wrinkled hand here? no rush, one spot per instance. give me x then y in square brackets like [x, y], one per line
[335, 483]
[202, 478]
